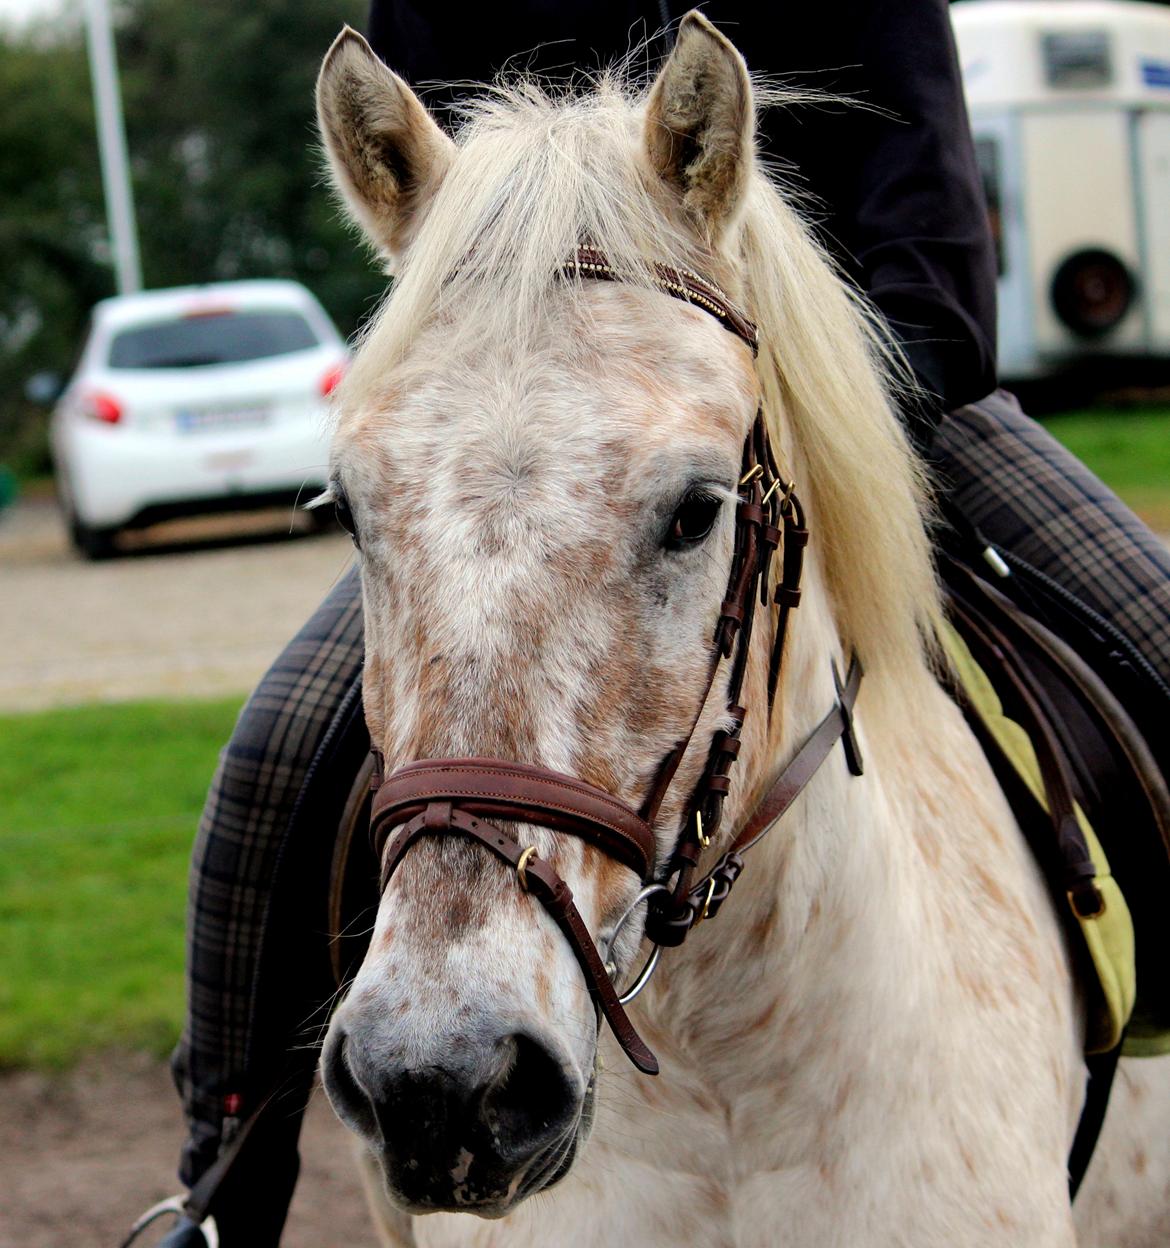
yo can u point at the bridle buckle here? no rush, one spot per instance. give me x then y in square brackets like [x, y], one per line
[706, 910]
[522, 866]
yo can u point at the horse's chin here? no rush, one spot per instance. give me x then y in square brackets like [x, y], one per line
[542, 1173]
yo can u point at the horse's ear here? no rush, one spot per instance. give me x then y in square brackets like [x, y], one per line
[699, 124]
[386, 152]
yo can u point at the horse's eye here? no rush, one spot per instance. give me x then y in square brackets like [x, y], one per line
[345, 516]
[692, 521]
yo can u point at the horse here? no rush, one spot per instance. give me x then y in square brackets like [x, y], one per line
[879, 1038]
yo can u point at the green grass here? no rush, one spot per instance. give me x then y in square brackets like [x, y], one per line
[1129, 450]
[98, 808]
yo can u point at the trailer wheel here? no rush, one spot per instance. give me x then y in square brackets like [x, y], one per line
[1092, 290]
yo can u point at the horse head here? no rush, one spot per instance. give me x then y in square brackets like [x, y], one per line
[542, 474]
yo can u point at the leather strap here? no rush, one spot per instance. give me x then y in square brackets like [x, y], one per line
[836, 726]
[539, 879]
[519, 791]
[788, 591]
[671, 925]
[1077, 867]
[681, 284]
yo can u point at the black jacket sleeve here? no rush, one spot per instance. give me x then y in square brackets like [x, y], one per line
[893, 181]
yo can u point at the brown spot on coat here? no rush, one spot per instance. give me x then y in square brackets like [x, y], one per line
[928, 846]
[988, 886]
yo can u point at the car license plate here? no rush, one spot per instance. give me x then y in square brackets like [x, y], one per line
[205, 419]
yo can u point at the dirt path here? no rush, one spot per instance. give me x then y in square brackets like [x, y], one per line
[85, 1153]
[181, 620]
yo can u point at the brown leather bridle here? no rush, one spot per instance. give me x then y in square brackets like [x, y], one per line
[465, 796]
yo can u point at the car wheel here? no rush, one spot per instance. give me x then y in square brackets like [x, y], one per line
[92, 543]
[89, 542]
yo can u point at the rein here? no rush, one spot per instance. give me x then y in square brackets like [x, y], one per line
[464, 797]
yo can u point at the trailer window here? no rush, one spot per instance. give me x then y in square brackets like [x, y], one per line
[1077, 60]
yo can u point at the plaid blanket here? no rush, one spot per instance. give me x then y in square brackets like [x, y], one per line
[1005, 474]
[1025, 493]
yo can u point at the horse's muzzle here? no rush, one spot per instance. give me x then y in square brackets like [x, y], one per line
[477, 1129]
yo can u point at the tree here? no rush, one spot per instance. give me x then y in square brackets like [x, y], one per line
[219, 106]
[218, 99]
[52, 228]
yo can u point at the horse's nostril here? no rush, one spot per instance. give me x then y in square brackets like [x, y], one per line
[461, 1128]
[350, 1100]
[531, 1101]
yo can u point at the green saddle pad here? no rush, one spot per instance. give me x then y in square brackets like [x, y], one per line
[1108, 936]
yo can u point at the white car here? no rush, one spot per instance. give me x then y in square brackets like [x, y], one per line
[195, 399]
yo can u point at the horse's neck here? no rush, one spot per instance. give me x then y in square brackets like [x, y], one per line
[882, 914]
[887, 964]
[809, 944]
[803, 928]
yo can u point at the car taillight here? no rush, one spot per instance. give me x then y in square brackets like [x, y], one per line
[103, 407]
[331, 379]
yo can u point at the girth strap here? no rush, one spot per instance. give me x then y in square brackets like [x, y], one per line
[537, 877]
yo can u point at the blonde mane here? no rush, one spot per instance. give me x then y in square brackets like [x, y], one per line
[537, 172]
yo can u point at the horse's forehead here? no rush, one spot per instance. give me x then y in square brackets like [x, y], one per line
[610, 378]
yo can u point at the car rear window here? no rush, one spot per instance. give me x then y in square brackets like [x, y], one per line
[211, 338]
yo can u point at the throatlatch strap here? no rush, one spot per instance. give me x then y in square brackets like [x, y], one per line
[671, 924]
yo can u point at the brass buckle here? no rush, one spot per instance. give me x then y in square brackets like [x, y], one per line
[1095, 914]
[704, 839]
[522, 866]
[706, 910]
[755, 471]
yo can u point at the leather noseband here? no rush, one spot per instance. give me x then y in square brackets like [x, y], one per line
[465, 797]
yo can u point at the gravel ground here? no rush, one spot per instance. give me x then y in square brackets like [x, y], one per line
[191, 611]
[84, 1154]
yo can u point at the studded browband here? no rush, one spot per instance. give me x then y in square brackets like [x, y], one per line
[464, 797]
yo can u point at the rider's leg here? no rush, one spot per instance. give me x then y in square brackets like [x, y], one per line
[1030, 497]
[219, 1068]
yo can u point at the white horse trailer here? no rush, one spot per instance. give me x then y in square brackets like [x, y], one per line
[1070, 107]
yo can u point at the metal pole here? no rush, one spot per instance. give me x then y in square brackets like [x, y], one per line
[107, 100]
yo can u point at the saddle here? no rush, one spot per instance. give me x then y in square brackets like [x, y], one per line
[1074, 736]
[1088, 792]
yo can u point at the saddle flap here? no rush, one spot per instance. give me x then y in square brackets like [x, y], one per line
[1122, 802]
